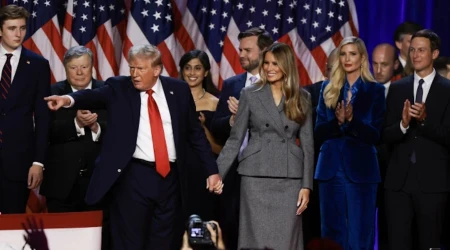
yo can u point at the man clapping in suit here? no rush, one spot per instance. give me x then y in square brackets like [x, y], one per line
[75, 138]
[151, 121]
[418, 131]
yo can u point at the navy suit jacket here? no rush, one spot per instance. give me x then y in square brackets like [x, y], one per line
[351, 148]
[123, 102]
[429, 140]
[220, 124]
[25, 117]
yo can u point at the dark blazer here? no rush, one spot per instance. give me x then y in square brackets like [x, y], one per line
[25, 117]
[69, 153]
[123, 102]
[430, 140]
[220, 124]
[352, 146]
[314, 91]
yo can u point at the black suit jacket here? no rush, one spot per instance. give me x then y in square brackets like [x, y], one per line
[123, 103]
[430, 140]
[25, 117]
[69, 153]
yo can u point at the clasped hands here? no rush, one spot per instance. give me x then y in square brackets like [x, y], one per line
[344, 112]
[85, 118]
[416, 110]
[214, 184]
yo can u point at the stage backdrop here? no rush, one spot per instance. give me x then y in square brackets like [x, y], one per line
[312, 27]
[378, 19]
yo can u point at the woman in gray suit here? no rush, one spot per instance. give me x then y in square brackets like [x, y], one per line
[277, 165]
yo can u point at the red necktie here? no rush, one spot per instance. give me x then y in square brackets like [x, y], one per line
[5, 82]
[159, 141]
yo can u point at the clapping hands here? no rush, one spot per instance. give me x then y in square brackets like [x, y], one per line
[344, 112]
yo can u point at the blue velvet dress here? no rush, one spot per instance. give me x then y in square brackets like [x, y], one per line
[347, 168]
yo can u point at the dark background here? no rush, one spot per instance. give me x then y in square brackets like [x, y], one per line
[378, 19]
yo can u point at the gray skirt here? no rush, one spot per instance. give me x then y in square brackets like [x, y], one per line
[267, 214]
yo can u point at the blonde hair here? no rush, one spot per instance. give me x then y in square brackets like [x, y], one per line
[337, 78]
[296, 102]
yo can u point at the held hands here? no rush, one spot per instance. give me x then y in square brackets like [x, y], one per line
[344, 112]
[214, 184]
[406, 117]
[55, 102]
[35, 176]
[202, 118]
[303, 200]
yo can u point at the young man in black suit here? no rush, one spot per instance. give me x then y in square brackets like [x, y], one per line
[418, 131]
[24, 116]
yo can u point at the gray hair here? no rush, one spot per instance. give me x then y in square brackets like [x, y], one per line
[148, 51]
[76, 52]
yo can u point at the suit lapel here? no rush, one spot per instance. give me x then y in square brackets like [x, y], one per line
[135, 102]
[239, 85]
[172, 104]
[433, 102]
[67, 88]
[266, 98]
[20, 81]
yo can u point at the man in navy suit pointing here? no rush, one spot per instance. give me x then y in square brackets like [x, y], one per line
[152, 120]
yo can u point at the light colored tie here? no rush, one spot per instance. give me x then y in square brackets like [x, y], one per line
[245, 142]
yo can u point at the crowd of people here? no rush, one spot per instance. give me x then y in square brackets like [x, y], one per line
[275, 164]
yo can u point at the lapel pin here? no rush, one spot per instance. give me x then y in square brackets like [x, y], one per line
[171, 92]
[28, 62]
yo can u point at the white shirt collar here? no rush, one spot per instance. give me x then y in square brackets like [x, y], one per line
[386, 86]
[402, 61]
[427, 79]
[157, 88]
[16, 52]
[89, 86]
[247, 81]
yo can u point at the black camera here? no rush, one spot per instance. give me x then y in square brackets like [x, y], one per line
[198, 233]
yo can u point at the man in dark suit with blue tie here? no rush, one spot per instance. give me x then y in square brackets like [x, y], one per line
[417, 130]
[251, 44]
[24, 117]
[151, 121]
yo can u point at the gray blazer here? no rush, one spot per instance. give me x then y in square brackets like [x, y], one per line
[272, 150]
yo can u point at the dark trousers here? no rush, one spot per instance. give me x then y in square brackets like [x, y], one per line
[13, 194]
[75, 203]
[229, 208]
[143, 208]
[348, 212]
[426, 210]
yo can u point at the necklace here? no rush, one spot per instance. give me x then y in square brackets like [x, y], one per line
[204, 92]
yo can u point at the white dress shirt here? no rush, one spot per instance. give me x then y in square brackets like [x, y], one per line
[386, 88]
[248, 82]
[14, 63]
[402, 61]
[80, 130]
[144, 143]
[426, 85]
[14, 59]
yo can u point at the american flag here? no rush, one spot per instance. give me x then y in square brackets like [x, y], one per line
[312, 27]
[110, 27]
[96, 25]
[43, 33]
